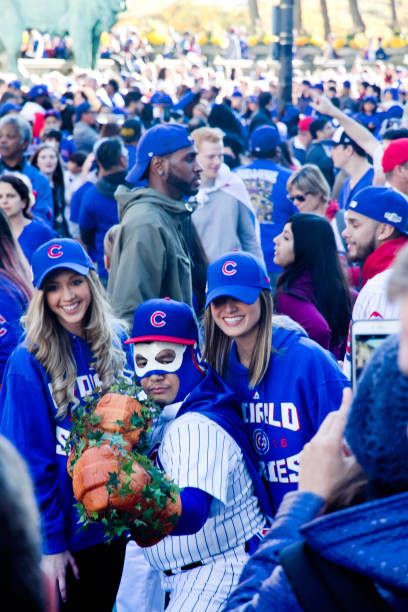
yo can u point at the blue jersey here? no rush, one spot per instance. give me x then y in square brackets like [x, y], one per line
[12, 306]
[28, 418]
[266, 185]
[302, 384]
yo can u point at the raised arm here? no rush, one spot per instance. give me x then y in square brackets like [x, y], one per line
[353, 128]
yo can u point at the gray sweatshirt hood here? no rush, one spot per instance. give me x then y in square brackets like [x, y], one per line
[126, 198]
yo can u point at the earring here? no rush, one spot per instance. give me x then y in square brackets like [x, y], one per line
[160, 173]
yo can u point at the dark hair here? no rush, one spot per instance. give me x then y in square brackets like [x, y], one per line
[317, 125]
[58, 177]
[13, 264]
[22, 190]
[109, 152]
[132, 96]
[78, 158]
[223, 117]
[315, 250]
[54, 134]
[114, 84]
[264, 99]
[285, 157]
[110, 130]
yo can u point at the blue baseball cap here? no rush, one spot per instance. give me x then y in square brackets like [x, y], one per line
[291, 112]
[319, 86]
[236, 274]
[81, 109]
[158, 141]
[59, 253]
[382, 204]
[36, 91]
[8, 107]
[159, 97]
[164, 320]
[264, 139]
[53, 113]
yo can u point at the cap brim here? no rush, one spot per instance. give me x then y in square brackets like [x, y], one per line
[83, 270]
[160, 338]
[248, 295]
[138, 170]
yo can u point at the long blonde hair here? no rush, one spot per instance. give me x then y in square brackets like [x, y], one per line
[217, 345]
[50, 343]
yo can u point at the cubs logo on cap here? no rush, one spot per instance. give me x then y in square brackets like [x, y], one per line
[157, 318]
[55, 251]
[52, 255]
[229, 268]
[164, 320]
[237, 274]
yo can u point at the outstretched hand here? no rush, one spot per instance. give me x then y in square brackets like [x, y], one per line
[326, 462]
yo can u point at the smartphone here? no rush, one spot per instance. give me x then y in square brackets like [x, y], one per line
[366, 336]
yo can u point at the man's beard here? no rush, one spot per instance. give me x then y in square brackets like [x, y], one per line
[183, 186]
[364, 251]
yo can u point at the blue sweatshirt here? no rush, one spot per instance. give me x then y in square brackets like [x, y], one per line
[28, 418]
[303, 383]
[12, 306]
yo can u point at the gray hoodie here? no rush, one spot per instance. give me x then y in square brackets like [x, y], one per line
[150, 258]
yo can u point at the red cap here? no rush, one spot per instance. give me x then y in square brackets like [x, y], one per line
[395, 154]
[303, 125]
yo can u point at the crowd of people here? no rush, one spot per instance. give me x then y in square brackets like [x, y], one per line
[178, 228]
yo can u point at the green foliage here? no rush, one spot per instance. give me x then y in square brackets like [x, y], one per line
[154, 496]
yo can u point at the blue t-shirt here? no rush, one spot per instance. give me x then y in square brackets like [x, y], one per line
[302, 384]
[266, 185]
[34, 235]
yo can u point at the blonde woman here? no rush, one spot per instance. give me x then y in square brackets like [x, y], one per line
[309, 191]
[71, 346]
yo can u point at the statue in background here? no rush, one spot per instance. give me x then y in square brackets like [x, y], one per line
[83, 20]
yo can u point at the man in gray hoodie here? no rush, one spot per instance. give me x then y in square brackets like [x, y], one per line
[150, 257]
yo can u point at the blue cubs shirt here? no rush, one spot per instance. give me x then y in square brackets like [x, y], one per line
[302, 385]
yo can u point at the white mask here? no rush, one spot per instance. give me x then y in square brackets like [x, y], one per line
[150, 351]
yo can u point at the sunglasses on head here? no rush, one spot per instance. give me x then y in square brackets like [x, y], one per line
[300, 197]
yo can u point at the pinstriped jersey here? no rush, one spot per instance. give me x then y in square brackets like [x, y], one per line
[196, 452]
